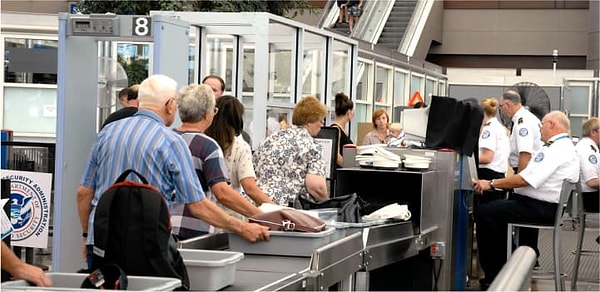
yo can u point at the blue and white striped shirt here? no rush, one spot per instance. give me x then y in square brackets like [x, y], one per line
[141, 142]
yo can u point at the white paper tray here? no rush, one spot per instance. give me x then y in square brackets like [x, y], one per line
[283, 243]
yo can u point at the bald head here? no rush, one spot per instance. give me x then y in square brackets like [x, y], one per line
[554, 123]
[157, 93]
[156, 90]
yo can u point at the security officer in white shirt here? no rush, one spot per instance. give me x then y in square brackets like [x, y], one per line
[537, 191]
[525, 132]
[589, 162]
[493, 150]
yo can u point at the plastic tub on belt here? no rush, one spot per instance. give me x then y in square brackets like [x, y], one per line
[210, 269]
[72, 282]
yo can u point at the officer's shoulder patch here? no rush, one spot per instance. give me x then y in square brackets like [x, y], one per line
[520, 121]
[539, 157]
[523, 132]
[593, 159]
[485, 134]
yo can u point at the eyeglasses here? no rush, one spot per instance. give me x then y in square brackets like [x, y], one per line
[502, 105]
[216, 110]
[169, 100]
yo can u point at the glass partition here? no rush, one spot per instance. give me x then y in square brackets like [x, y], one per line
[383, 86]
[313, 64]
[30, 109]
[340, 77]
[281, 62]
[400, 88]
[442, 88]
[416, 84]
[429, 90]
[400, 94]
[29, 85]
[579, 106]
[248, 74]
[218, 51]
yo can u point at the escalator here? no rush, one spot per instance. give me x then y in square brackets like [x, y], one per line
[399, 25]
[396, 24]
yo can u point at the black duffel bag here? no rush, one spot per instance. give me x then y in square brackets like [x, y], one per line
[349, 206]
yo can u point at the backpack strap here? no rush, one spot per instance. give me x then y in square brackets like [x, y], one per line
[125, 173]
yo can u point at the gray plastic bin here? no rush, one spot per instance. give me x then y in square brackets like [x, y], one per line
[283, 243]
[72, 282]
[210, 269]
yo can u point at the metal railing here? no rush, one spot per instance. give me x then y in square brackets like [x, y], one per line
[516, 273]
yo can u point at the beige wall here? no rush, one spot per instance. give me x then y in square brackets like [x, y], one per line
[39, 6]
[514, 32]
[593, 56]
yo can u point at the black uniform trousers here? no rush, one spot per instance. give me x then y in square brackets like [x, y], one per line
[492, 220]
[491, 195]
[591, 202]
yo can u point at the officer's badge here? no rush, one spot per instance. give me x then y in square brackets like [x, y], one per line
[485, 134]
[539, 157]
[520, 121]
[593, 159]
[523, 132]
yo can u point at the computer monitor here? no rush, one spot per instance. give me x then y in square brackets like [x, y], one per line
[414, 123]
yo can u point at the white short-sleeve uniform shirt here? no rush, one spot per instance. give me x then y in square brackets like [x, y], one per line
[589, 162]
[525, 135]
[548, 168]
[493, 137]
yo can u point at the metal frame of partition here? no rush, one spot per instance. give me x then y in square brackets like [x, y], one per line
[271, 40]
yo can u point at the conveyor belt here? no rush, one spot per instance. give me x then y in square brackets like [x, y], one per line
[335, 258]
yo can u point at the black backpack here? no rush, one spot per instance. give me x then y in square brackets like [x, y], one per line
[132, 228]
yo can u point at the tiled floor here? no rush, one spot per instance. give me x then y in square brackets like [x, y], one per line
[589, 267]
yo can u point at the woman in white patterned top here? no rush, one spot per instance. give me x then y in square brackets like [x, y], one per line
[289, 162]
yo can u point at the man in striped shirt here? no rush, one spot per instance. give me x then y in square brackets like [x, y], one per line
[144, 143]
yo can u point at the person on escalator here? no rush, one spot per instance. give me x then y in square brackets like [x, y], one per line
[341, 4]
[354, 9]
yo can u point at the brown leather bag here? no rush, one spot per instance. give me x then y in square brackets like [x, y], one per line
[289, 220]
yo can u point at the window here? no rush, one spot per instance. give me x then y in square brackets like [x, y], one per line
[30, 60]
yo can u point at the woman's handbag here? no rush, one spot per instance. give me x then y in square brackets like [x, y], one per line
[289, 220]
[349, 206]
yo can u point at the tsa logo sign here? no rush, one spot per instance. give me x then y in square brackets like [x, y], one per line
[29, 207]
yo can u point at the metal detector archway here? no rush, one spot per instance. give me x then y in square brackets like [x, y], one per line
[77, 104]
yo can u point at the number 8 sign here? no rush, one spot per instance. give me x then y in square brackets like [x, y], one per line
[141, 26]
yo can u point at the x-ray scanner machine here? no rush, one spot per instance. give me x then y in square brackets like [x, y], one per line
[77, 104]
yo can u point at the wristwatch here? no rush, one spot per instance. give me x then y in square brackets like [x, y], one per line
[492, 184]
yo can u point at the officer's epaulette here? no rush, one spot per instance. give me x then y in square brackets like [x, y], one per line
[488, 123]
[594, 148]
[520, 121]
